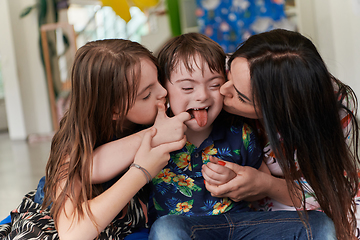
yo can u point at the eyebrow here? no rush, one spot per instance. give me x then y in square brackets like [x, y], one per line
[194, 80]
[143, 90]
[241, 94]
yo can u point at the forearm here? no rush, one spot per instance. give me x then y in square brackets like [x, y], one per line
[104, 208]
[114, 157]
[276, 188]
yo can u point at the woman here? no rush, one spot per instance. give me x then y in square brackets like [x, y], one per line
[279, 78]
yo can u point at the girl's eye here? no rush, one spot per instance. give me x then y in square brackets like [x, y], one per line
[147, 96]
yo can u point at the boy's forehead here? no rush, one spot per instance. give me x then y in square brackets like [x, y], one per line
[190, 64]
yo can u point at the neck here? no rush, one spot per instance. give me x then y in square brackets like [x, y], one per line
[197, 137]
[128, 128]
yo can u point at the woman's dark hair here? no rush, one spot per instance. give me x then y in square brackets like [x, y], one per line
[301, 103]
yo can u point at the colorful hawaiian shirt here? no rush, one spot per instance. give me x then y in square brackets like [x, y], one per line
[179, 188]
[230, 22]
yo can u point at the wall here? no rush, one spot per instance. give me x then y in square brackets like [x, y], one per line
[13, 102]
[26, 96]
[334, 28]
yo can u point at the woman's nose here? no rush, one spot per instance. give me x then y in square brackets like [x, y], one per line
[225, 89]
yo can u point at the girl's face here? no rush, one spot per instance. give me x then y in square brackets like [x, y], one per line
[237, 90]
[149, 94]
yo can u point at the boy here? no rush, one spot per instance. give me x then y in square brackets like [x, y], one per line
[192, 69]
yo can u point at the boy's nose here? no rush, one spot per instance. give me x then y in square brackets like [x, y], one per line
[202, 94]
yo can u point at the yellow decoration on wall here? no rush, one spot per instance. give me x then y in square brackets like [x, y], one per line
[142, 4]
[122, 8]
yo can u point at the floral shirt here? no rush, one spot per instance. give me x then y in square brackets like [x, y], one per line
[179, 188]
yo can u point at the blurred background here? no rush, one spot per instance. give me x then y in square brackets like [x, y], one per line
[38, 40]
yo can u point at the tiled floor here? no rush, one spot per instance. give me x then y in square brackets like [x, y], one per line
[22, 164]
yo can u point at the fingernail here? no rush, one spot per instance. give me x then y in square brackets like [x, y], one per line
[204, 182]
[222, 163]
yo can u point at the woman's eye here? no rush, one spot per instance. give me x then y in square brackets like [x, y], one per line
[241, 98]
[147, 96]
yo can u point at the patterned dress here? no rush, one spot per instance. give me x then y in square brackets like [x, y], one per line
[28, 221]
[179, 188]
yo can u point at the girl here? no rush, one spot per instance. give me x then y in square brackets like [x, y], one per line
[114, 89]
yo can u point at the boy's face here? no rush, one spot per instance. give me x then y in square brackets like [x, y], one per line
[196, 93]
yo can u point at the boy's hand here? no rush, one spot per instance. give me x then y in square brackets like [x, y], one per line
[169, 129]
[215, 172]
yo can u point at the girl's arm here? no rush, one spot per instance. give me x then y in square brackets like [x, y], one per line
[249, 184]
[107, 205]
[114, 157]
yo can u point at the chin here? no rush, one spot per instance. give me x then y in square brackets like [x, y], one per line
[193, 126]
[230, 110]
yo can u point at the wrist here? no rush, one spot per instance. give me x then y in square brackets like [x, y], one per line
[145, 172]
[137, 176]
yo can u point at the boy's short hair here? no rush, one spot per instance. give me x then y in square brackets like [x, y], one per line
[184, 49]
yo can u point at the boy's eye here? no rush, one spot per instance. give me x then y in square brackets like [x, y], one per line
[147, 96]
[187, 89]
[215, 86]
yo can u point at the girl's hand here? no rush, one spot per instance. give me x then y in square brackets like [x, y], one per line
[215, 172]
[248, 184]
[153, 159]
[169, 129]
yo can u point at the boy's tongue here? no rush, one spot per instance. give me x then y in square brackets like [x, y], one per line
[200, 116]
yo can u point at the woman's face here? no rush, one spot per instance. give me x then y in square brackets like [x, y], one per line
[237, 90]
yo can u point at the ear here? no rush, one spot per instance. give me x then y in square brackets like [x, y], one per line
[115, 114]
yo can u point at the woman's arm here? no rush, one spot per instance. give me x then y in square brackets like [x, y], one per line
[108, 204]
[114, 157]
[249, 184]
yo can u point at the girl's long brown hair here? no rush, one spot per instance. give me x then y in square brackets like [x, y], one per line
[104, 79]
[300, 101]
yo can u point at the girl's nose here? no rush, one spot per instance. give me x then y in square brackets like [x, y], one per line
[162, 92]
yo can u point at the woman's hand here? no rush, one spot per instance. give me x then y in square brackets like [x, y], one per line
[153, 159]
[248, 184]
[169, 129]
